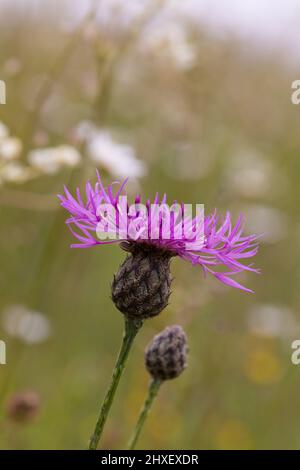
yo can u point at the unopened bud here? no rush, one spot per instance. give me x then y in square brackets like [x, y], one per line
[166, 355]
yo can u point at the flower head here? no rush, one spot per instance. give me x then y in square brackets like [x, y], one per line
[212, 242]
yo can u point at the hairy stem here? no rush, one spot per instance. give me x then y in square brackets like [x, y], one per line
[152, 392]
[131, 329]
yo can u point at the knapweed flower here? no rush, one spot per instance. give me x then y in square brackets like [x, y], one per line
[154, 233]
[166, 355]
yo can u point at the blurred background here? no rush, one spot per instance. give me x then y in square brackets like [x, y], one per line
[193, 100]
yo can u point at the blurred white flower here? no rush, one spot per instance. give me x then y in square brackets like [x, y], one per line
[271, 223]
[26, 325]
[50, 160]
[44, 160]
[4, 132]
[272, 321]
[10, 148]
[118, 159]
[170, 41]
[68, 155]
[102, 149]
[16, 173]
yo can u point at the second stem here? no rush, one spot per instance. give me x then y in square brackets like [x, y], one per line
[152, 392]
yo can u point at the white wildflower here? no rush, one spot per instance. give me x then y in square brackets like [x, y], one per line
[118, 159]
[44, 160]
[26, 325]
[16, 173]
[68, 156]
[10, 148]
[50, 160]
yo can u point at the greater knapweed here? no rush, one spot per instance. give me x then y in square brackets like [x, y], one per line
[152, 234]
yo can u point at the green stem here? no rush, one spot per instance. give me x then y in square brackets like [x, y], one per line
[131, 329]
[152, 392]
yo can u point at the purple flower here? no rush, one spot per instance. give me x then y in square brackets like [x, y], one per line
[211, 241]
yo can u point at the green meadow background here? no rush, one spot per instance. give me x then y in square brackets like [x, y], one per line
[220, 131]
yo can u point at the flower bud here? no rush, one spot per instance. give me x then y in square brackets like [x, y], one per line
[142, 286]
[166, 355]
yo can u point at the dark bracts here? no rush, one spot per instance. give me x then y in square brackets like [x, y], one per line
[166, 355]
[142, 286]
